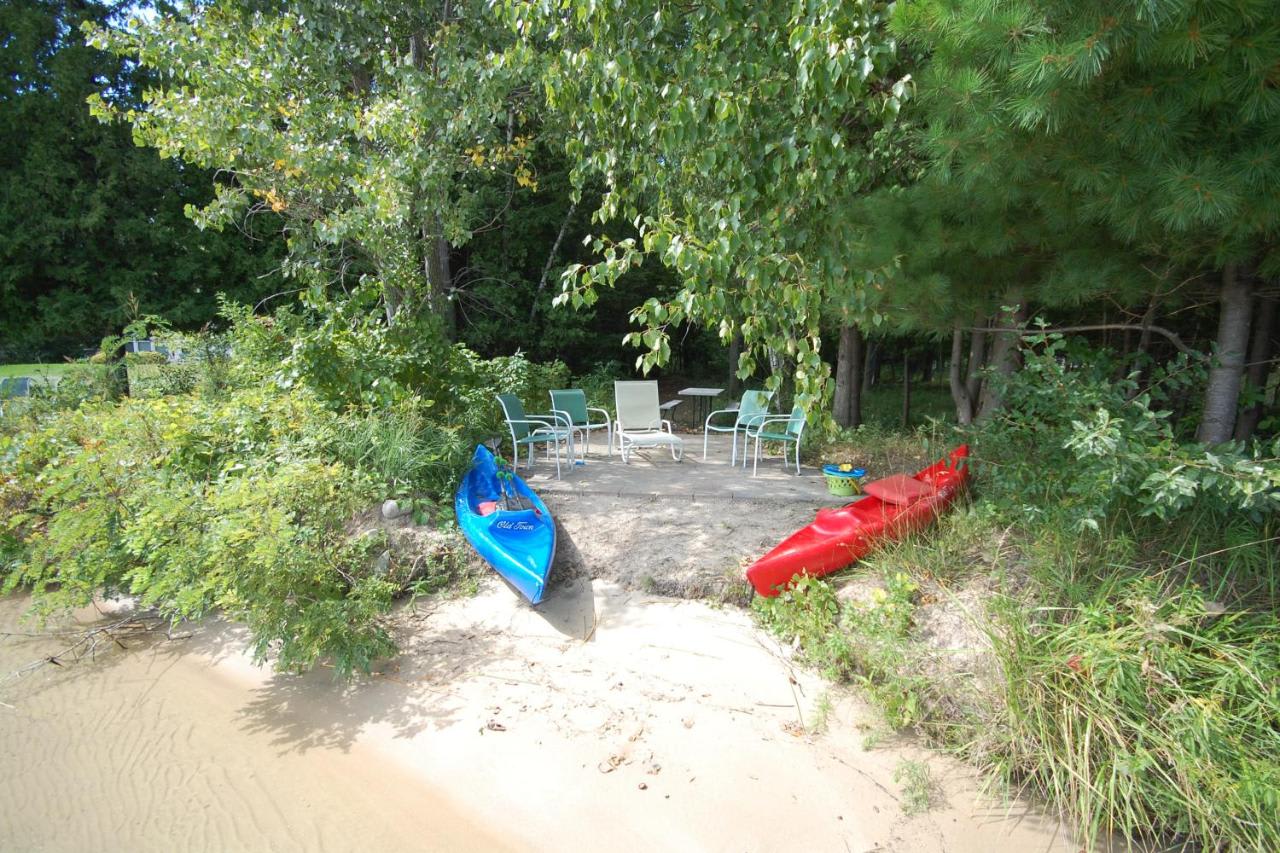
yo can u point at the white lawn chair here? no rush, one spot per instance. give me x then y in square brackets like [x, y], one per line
[639, 421]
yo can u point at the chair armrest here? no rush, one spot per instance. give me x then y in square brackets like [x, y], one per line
[563, 417]
[546, 422]
[604, 412]
[560, 419]
[720, 412]
[757, 424]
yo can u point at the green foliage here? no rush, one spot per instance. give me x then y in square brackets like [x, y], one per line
[236, 490]
[863, 640]
[1146, 711]
[1157, 119]
[1078, 445]
[733, 138]
[372, 131]
[411, 452]
[238, 502]
[597, 383]
[1131, 681]
[807, 613]
[477, 382]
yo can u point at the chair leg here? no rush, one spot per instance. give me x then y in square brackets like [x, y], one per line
[733, 453]
[608, 433]
[705, 436]
[755, 464]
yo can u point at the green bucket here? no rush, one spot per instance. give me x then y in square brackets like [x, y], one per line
[842, 483]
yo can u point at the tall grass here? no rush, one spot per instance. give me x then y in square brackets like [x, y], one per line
[1146, 711]
[1134, 677]
[406, 449]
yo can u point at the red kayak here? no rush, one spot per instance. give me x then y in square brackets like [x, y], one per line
[894, 507]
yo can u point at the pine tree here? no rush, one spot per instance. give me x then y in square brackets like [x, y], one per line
[1157, 121]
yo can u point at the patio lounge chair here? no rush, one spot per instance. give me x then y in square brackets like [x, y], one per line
[754, 405]
[639, 421]
[528, 430]
[784, 428]
[572, 404]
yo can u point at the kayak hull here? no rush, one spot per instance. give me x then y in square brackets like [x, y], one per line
[839, 536]
[520, 544]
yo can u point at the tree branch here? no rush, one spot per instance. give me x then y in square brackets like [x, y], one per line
[551, 257]
[1097, 327]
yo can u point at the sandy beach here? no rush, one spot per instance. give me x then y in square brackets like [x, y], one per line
[607, 717]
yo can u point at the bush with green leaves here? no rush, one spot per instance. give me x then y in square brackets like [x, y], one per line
[195, 504]
[1076, 443]
[236, 491]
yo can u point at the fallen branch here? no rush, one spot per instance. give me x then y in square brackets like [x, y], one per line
[87, 642]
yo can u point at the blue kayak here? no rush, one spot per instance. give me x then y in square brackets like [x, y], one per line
[507, 524]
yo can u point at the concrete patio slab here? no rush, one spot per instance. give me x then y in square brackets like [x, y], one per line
[652, 473]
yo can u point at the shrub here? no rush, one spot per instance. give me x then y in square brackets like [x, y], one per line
[1075, 443]
[194, 503]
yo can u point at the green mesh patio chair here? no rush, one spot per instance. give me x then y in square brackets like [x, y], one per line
[784, 428]
[529, 430]
[572, 404]
[754, 405]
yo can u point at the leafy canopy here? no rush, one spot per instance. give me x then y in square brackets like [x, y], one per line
[363, 125]
[1157, 119]
[732, 136]
[92, 229]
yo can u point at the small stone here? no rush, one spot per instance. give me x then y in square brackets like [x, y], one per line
[391, 510]
[382, 565]
[643, 786]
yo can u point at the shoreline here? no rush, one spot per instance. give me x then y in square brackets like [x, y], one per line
[606, 713]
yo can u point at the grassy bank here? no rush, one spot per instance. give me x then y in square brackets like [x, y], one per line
[1123, 668]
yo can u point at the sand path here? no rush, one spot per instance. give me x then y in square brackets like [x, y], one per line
[607, 719]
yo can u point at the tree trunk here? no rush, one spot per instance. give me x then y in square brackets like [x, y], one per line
[977, 358]
[735, 353]
[1222, 394]
[1256, 372]
[959, 389]
[906, 389]
[871, 373]
[439, 277]
[848, 398]
[392, 299]
[1003, 357]
[1141, 361]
